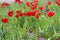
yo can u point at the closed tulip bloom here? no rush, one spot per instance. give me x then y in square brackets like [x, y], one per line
[10, 13]
[40, 8]
[18, 1]
[17, 15]
[48, 3]
[30, 13]
[17, 11]
[5, 20]
[50, 14]
[5, 4]
[28, 3]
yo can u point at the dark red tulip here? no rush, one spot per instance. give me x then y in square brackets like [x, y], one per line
[4, 20]
[30, 13]
[40, 8]
[50, 14]
[21, 14]
[7, 4]
[18, 1]
[27, 3]
[10, 13]
[4, 4]
[48, 3]
[17, 11]
[17, 15]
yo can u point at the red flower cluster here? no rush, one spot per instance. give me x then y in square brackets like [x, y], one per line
[4, 4]
[33, 5]
[18, 14]
[34, 13]
[58, 2]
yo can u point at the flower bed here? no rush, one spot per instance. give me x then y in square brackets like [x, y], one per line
[30, 20]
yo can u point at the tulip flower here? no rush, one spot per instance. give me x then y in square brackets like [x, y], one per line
[10, 13]
[33, 5]
[30, 13]
[18, 1]
[5, 20]
[50, 14]
[4, 4]
[40, 8]
[27, 3]
[17, 11]
[48, 3]
[17, 15]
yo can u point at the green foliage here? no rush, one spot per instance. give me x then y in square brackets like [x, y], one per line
[18, 29]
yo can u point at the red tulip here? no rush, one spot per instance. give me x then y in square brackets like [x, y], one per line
[50, 14]
[17, 15]
[30, 13]
[40, 8]
[33, 6]
[19, 1]
[48, 3]
[27, 3]
[21, 14]
[4, 20]
[33, 13]
[10, 13]
[17, 11]
[4, 4]
[58, 2]
[7, 4]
